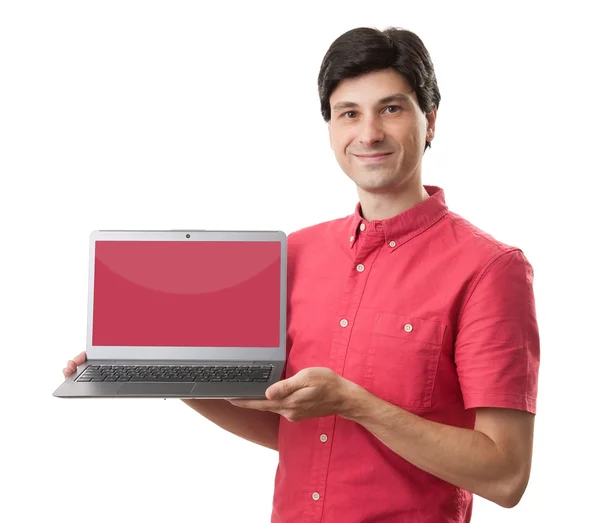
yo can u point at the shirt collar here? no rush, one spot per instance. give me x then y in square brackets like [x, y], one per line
[405, 225]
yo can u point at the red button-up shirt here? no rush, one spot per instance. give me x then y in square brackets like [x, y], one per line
[423, 310]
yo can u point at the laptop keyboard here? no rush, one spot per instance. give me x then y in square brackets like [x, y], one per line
[177, 373]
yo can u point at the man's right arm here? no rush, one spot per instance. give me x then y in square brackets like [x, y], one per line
[260, 427]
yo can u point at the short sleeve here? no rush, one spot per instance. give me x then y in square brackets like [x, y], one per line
[497, 347]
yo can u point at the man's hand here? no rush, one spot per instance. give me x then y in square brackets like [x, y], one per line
[312, 393]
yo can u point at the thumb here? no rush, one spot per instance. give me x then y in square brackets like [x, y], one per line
[273, 392]
[281, 389]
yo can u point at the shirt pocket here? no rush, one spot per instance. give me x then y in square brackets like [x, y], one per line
[402, 359]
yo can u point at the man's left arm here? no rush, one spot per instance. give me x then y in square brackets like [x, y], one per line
[492, 461]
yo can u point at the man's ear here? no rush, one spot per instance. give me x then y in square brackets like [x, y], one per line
[431, 122]
[329, 131]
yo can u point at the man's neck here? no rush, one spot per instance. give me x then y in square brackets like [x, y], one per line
[381, 206]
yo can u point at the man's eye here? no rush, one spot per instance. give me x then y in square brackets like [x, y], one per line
[394, 109]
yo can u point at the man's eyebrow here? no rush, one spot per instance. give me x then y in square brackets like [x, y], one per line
[397, 97]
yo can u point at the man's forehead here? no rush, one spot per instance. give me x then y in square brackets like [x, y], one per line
[371, 87]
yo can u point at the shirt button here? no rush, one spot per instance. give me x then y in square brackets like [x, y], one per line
[323, 438]
[362, 226]
[392, 244]
[408, 327]
[351, 238]
[344, 322]
[360, 267]
[316, 496]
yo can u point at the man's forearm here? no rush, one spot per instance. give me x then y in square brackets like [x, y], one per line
[466, 458]
[255, 426]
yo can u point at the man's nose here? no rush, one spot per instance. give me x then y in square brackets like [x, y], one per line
[371, 131]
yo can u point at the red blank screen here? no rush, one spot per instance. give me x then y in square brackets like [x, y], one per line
[186, 294]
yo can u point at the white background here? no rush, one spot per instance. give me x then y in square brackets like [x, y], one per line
[123, 114]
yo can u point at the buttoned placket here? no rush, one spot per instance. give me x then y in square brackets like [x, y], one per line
[369, 243]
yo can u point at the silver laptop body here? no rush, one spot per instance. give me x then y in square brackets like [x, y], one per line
[184, 314]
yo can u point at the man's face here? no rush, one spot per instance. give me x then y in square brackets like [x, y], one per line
[366, 121]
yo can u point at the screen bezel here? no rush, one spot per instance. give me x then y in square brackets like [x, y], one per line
[189, 353]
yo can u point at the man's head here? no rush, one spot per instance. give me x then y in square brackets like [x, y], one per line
[379, 94]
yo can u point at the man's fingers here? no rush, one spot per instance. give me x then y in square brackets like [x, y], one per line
[74, 363]
[249, 404]
[255, 404]
[69, 369]
[282, 389]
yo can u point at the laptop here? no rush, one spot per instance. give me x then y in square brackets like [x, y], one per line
[183, 314]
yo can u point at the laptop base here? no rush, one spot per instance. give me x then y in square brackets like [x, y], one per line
[71, 388]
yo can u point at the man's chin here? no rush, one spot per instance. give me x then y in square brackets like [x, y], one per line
[382, 187]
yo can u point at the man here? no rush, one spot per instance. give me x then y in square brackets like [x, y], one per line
[413, 348]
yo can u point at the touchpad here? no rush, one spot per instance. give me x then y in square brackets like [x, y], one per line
[155, 389]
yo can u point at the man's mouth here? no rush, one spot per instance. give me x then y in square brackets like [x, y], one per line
[375, 157]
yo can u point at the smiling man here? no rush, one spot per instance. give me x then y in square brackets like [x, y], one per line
[413, 360]
[413, 347]
[385, 160]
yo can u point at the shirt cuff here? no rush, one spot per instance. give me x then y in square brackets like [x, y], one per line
[509, 401]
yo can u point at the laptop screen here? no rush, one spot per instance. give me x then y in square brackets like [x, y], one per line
[186, 293]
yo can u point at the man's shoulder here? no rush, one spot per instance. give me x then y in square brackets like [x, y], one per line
[475, 241]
